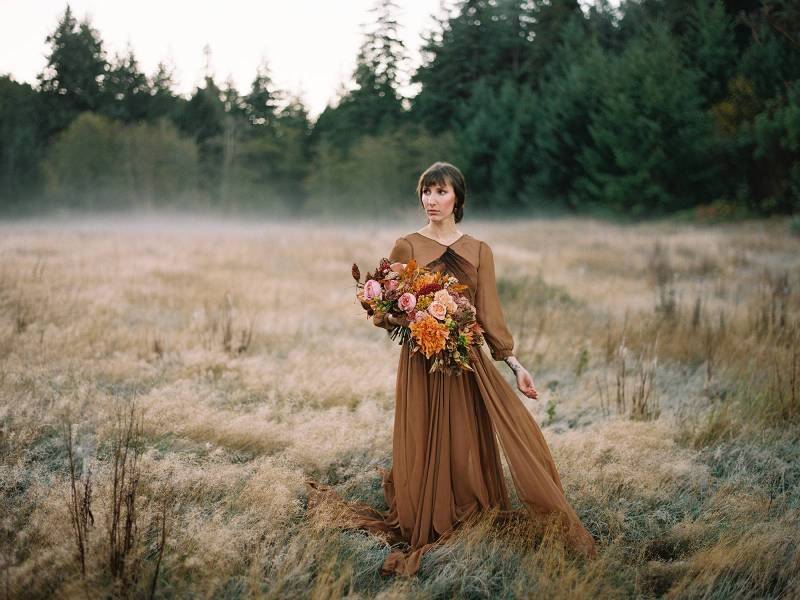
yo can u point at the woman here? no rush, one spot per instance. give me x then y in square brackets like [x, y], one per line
[445, 458]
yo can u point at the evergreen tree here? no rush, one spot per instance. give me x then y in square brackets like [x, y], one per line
[234, 130]
[163, 101]
[480, 128]
[603, 23]
[232, 102]
[375, 104]
[651, 149]
[710, 47]
[546, 20]
[262, 102]
[202, 116]
[761, 108]
[560, 117]
[776, 138]
[127, 90]
[293, 137]
[464, 49]
[516, 159]
[333, 125]
[74, 75]
[203, 119]
[21, 149]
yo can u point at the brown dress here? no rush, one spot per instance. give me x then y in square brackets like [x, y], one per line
[445, 458]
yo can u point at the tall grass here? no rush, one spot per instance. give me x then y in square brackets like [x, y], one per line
[666, 359]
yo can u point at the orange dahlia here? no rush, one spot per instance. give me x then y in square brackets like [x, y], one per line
[423, 280]
[430, 335]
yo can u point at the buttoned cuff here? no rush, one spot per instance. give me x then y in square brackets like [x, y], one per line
[501, 353]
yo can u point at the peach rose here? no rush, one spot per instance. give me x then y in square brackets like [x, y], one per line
[397, 267]
[444, 297]
[372, 289]
[437, 309]
[407, 301]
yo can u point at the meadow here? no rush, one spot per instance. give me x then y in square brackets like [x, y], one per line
[167, 384]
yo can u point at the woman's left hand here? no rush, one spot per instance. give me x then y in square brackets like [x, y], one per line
[525, 384]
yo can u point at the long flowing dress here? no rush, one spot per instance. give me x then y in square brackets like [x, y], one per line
[445, 457]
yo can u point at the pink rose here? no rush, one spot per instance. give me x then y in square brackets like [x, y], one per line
[437, 309]
[407, 301]
[398, 267]
[372, 289]
[391, 285]
[445, 298]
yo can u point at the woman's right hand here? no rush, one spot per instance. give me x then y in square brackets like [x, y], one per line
[402, 321]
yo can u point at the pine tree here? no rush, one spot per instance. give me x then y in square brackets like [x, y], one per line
[465, 48]
[651, 147]
[710, 46]
[262, 102]
[375, 104]
[21, 149]
[546, 20]
[163, 101]
[127, 90]
[569, 89]
[73, 77]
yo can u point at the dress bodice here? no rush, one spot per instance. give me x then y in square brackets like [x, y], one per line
[472, 262]
[453, 258]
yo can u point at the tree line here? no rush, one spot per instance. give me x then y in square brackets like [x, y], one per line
[647, 108]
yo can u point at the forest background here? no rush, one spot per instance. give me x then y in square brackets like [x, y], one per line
[642, 109]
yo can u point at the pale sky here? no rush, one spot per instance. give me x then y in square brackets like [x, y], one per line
[310, 45]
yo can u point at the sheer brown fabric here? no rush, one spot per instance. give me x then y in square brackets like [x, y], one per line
[445, 457]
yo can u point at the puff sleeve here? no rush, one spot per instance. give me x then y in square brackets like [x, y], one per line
[400, 253]
[488, 310]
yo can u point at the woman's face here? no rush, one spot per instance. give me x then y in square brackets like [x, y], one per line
[438, 201]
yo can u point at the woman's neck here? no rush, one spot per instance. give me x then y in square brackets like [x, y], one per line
[441, 230]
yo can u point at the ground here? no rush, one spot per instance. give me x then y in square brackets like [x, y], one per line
[665, 355]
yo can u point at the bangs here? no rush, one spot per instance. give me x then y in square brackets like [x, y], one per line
[435, 177]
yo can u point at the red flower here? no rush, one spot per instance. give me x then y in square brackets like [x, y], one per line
[429, 288]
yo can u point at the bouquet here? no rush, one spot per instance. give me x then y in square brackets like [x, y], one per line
[442, 321]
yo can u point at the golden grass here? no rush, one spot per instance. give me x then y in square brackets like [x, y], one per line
[665, 355]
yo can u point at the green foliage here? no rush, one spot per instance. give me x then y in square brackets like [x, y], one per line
[20, 150]
[202, 117]
[645, 108]
[710, 47]
[560, 116]
[98, 163]
[776, 137]
[377, 177]
[76, 65]
[651, 148]
[374, 106]
[126, 89]
[484, 125]
[261, 104]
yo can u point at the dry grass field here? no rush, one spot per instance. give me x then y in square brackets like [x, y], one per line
[167, 385]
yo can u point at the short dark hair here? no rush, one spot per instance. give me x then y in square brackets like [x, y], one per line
[440, 173]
